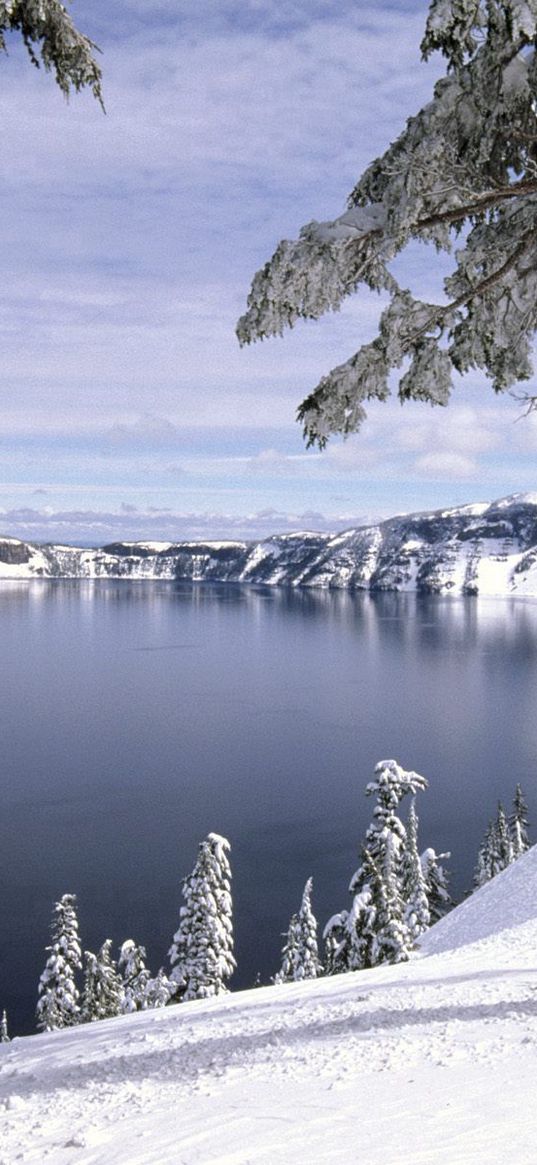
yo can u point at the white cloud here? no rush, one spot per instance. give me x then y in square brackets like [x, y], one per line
[97, 527]
[446, 465]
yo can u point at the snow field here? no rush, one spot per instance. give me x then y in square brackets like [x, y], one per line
[429, 1062]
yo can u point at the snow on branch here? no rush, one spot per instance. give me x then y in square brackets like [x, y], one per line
[465, 168]
[52, 39]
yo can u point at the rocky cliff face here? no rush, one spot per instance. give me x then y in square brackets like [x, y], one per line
[476, 549]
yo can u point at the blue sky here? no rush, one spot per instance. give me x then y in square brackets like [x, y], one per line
[128, 245]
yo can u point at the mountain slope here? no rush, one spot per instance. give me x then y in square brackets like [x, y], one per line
[485, 549]
[430, 1063]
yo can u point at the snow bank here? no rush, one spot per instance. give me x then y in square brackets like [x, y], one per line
[431, 1062]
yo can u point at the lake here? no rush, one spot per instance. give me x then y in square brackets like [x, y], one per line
[138, 717]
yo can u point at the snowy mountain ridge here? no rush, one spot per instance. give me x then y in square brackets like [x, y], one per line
[430, 1062]
[480, 548]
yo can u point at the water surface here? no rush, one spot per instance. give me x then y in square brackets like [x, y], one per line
[138, 717]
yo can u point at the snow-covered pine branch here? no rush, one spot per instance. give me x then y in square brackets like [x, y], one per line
[52, 39]
[465, 167]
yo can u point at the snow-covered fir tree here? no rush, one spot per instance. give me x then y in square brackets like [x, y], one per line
[201, 954]
[4, 1034]
[103, 986]
[503, 846]
[58, 1002]
[390, 785]
[485, 857]
[289, 953]
[504, 841]
[135, 975]
[351, 941]
[413, 885]
[158, 991]
[461, 178]
[518, 824]
[301, 950]
[348, 935]
[391, 940]
[436, 880]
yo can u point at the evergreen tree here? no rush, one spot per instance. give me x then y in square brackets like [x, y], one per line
[390, 785]
[135, 976]
[391, 941]
[336, 937]
[4, 1034]
[503, 845]
[158, 991]
[301, 951]
[290, 953]
[413, 885]
[201, 954]
[58, 1002]
[310, 964]
[485, 858]
[518, 824]
[436, 883]
[348, 936]
[460, 177]
[103, 988]
[351, 937]
[500, 844]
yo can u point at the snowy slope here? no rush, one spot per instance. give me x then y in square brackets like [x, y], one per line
[485, 549]
[430, 1063]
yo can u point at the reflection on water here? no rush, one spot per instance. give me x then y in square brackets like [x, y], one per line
[137, 716]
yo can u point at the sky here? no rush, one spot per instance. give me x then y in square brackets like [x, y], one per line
[128, 243]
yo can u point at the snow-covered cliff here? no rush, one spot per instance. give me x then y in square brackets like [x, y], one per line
[475, 549]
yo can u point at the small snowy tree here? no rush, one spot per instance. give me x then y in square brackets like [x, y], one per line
[290, 953]
[135, 975]
[485, 858]
[436, 883]
[301, 951]
[158, 991]
[4, 1034]
[463, 172]
[503, 845]
[58, 1002]
[348, 936]
[518, 824]
[201, 954]
[103, 988]
[497, 849]
[413, 885]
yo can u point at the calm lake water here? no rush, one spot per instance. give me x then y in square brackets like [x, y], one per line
[138, 717]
